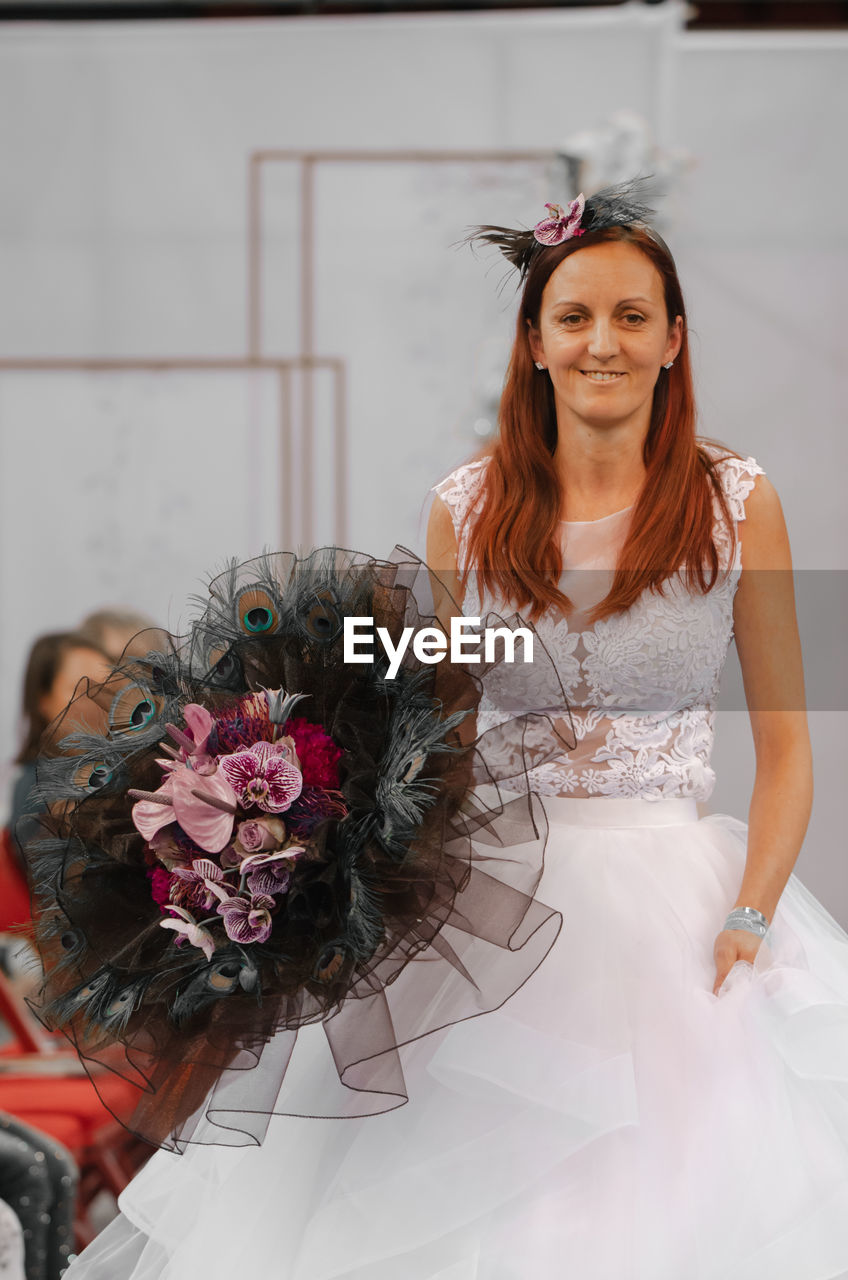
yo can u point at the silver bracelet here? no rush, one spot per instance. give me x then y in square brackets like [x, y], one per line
[747, 918]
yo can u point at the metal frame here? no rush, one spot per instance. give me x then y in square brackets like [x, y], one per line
[306, 360]
[308, 162]
[282, 367]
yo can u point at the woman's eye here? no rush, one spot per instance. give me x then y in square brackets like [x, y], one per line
[634, 316]
[574, 316]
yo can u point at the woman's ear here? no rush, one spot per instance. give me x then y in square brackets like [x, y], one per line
[675, 340]
[535, 339]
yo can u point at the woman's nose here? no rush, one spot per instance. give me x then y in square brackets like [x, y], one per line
[603, 341]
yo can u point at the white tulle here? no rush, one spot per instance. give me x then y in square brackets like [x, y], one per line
[614, 1120]
[614, 1113]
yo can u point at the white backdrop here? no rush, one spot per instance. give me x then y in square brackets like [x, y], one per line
[123, 166]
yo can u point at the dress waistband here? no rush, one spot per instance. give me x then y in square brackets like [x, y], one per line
[619, 811]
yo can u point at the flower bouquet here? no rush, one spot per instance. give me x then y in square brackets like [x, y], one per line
[266, 836]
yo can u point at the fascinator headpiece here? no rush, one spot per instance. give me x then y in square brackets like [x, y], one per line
[621, 205]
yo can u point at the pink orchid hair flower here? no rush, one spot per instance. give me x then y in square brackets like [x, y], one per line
[561, 225]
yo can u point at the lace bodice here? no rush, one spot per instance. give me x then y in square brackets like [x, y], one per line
[642, 685]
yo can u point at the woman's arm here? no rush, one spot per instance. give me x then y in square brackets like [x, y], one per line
[442, 562]
[769, 648]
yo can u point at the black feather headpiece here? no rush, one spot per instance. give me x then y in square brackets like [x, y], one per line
[621, 205]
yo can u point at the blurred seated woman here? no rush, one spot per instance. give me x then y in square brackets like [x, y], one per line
[57, 663]
[121, 632]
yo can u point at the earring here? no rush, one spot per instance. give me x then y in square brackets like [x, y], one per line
[668, 366]
[539, 364]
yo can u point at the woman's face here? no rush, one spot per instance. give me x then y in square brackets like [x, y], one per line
[75, 665]
[603, 335]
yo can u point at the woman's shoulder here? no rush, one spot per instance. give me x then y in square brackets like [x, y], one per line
[463, 487]
[737, 473]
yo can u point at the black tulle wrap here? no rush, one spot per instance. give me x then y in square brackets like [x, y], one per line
[409, 907]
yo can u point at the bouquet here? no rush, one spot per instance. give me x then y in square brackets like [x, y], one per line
[266, 835]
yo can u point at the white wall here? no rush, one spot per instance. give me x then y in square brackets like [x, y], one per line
[122, 233]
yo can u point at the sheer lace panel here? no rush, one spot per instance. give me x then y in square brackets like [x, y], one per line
[642, 685]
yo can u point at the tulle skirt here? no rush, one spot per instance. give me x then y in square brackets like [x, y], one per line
[614, 1120]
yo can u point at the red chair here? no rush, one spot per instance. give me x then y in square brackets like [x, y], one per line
[14, 893]
[43, 1083]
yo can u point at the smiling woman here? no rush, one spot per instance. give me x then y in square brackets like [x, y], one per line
[602, 350]
[597, 415]
[690, 1020]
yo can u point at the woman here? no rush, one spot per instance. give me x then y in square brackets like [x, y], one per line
[56, 666]
[666, 1096]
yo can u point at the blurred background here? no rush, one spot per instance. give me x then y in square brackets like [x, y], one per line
[235, 312]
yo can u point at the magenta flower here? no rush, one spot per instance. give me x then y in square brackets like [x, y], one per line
[560, 225]
[247, 919]
[317, 755]
[262, 776]
[160, 886]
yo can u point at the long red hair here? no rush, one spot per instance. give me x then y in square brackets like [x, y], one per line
[513, 544]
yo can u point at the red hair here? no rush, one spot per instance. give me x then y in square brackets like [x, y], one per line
[513, 544]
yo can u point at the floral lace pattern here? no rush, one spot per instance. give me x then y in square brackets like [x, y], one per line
[642, 685]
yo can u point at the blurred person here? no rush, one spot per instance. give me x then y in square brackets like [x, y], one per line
[119, 632]
[56, 668]
[38, 1181]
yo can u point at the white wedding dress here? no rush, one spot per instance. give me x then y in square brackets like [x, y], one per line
[614, 1120]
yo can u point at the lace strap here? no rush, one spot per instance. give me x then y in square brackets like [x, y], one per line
[737, 476]
[461, 492]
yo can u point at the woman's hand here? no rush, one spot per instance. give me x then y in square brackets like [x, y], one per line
[732, 945]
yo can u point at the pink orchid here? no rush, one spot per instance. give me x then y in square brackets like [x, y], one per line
[189, 930]
[561, 226]
[197, 882]
[271, 879]
[263, 776]
[269, 873]
[247, 919]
